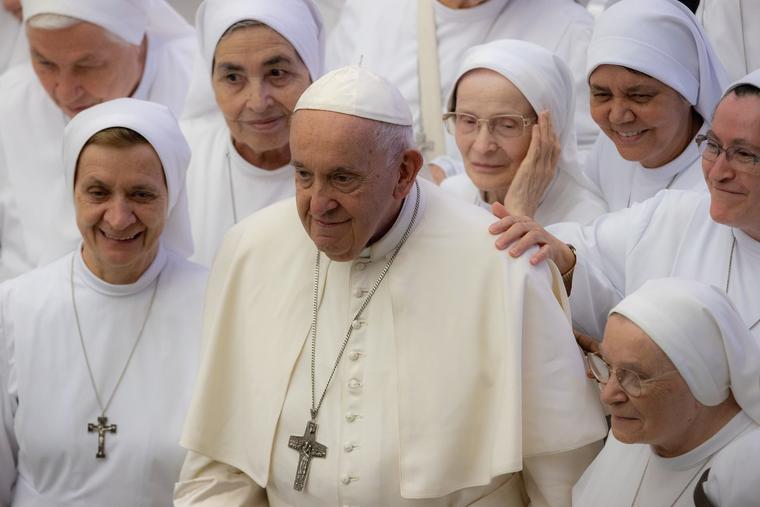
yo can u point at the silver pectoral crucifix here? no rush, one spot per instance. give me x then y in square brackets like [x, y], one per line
[308, 448]
[102, 427]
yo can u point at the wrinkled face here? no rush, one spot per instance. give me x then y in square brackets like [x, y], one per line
[491, 162]
[648, 121]
[347, 194]
[663, 413]
[735, 195]
[82, 65]
[121, 203]
[257, 79]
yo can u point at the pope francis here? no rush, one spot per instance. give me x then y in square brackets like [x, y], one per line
[365, 344]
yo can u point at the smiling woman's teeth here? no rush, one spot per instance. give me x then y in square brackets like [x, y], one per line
[115, 238]
[630, 134]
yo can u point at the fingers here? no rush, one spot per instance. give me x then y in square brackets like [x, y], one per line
[586, 342]
[498, 210]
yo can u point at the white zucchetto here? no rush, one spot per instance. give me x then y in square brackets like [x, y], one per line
[156, 124]
[298, 21]
[129, 19]
[698, 328]
[357, 91]
[662, 39]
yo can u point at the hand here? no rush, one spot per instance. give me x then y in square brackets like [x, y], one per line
[537, 170]
[587, 344]
[14, 7]
[522, 233]
[436, 173]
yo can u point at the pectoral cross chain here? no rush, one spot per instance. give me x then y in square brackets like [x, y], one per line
[308, 448]
[102, 427]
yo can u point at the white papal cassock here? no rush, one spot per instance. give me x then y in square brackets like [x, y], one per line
[662, 39]
[671, 234]
[36, 212]
[383, 36]
[12, 40]
[732, 26]
[46, 399]
[452, 381]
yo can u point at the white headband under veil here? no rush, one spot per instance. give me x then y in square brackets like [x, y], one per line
[753, 78]
[699, 329]
[298, 21]
[662, 39]
[156, 124]
[543, 78]
[129, 19]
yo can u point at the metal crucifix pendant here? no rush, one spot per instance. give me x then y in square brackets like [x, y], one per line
[308, 448]
[102, 427]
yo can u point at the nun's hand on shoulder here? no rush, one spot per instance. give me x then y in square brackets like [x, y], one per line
[536, 171]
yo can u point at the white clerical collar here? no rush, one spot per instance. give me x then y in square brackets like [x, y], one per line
[696, 456]
[682, 162]
[385, 245]
[487, 10]
[241, 165]
[149, 72]
[99, 285]
[746, 242]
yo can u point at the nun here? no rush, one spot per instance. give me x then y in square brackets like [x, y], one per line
[259, 58]
[99, 349]
[654, 82]
[511, 113]
[679, 373]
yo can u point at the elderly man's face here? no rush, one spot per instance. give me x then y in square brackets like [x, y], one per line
[257, 79]
[735, 194]
[648, 121]
[664, 413]
[82, 65]
[347, 194]
[121, 203]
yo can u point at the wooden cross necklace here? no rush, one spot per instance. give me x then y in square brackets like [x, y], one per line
[102, 427]
[307, 445]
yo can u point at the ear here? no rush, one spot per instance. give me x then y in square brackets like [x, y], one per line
[410, 165]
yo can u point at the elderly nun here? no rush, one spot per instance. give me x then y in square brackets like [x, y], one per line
[654, 82]
[260, 56]
[83, 53]
[99, 349]
[680, 374]
[508, 99]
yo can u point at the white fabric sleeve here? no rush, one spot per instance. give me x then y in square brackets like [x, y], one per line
[207, 483]
[8, 406]
[549, 479]
[600, 275]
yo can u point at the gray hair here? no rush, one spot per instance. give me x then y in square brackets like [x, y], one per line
[50, 21]
[246, 23]
[393, 140]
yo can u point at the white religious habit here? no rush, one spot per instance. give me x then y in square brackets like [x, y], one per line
[223, 187]
[698, 328]
[732, 26]
[12, 41]
[36, 212]
[546, 82]
[442, 397]
[383, 37]
[65, 333]
[662, 39]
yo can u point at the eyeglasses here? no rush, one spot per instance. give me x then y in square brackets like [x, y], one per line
[629, 380]
[503, 125]
[744, 159]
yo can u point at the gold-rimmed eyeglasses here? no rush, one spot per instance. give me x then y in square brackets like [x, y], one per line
[629, 381]
[744, 159]
[502, 125]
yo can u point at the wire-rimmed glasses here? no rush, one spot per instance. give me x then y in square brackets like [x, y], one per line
[629, 381]
[744, 159]
[502, 125]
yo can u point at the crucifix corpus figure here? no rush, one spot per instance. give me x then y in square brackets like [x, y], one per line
[307, 447]
[102, 427]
